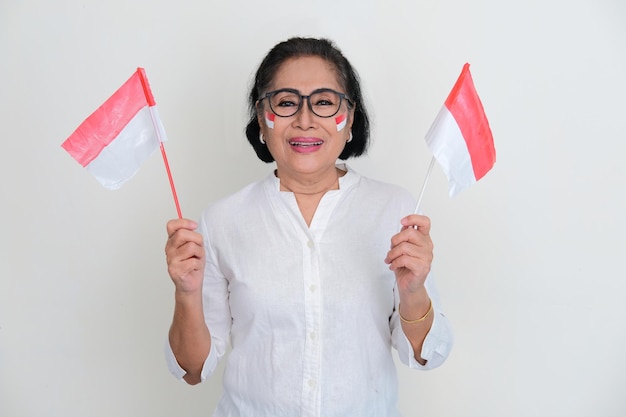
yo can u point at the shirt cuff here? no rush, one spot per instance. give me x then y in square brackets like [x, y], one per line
[436, 347]
[210, 363]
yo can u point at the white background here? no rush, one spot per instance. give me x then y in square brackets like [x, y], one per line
[529, 260]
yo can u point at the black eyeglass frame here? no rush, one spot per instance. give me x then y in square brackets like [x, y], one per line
[342, 97]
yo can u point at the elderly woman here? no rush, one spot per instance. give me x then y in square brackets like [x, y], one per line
[313, 273]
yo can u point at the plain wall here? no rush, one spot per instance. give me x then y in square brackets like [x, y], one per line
[529, 261]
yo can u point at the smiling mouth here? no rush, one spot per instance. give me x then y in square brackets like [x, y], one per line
[305, 144]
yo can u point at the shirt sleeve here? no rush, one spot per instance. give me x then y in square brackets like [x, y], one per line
[439, 340]
[172, 364]
[217, 314]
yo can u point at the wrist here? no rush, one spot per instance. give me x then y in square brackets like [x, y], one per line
[188, 298]
[415, 308]
[410, 319]
[415, 300]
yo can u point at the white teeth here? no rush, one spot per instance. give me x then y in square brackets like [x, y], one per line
[306, 143]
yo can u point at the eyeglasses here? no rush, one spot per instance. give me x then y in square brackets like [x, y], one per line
[323, 102]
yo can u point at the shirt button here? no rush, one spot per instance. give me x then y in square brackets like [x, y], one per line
[313, 335]
[310, 244]
[312, 288]
[312, 383]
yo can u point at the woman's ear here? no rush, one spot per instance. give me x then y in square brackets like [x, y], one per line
[260, 119]
[262, 123]
[259, 113]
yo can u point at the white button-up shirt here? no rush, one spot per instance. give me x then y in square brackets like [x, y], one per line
[311, 313]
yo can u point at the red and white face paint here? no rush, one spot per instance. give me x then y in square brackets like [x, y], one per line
[341, 121]
[269, 119]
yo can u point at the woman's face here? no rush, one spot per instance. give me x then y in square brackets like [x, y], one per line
[305, 143]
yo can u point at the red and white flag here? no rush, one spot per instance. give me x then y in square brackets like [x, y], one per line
[341, 121]
[460, 138]
[120, 135]
[269, 119]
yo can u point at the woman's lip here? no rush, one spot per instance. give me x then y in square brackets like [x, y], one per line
[305, 145]
[306, 142]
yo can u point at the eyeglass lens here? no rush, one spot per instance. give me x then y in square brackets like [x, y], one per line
[323, 103]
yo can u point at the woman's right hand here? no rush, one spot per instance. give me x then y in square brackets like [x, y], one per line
[189, 337]
[184, 252]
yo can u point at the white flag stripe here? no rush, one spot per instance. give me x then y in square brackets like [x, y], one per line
[446, 142]
[156, 121]
[120, 160]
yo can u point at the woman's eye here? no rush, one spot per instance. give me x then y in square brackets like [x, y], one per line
[286, 103]
[323, 102]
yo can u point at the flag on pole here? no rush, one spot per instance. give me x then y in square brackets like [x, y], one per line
[120, 135]
[460, 138]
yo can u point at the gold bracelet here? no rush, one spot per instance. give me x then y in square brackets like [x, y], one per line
[430, 309]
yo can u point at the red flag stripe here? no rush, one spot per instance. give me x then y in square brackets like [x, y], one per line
[467, 109]
[105, 124]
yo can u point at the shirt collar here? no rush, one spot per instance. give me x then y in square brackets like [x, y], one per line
[348, 180]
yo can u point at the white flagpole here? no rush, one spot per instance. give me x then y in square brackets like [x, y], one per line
[419, 199]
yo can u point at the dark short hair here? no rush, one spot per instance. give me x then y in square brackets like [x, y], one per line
[347, 77]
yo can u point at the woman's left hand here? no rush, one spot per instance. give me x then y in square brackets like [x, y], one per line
[411, 254]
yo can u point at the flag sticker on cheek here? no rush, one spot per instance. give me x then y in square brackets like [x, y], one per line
[341, 122]
[269, 119]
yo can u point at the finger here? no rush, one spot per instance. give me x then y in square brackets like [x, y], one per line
[182, 236]
[183, 244]
[409, 250]
[181, 268]
[412, 236]
[177, 253]
[184, 260]
[418, 221]
[177, 224]
[185, 250]
[418, 266]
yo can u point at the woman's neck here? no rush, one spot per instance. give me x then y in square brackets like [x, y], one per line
[306, 185]
[309, 192]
